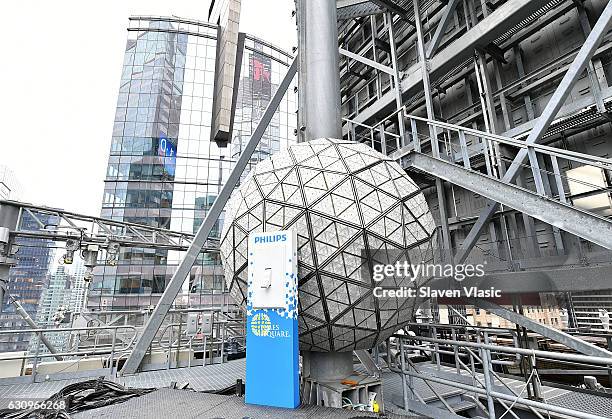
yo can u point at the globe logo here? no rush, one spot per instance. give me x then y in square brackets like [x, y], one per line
[260, 324]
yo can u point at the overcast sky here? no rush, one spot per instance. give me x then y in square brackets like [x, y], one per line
[60, 72]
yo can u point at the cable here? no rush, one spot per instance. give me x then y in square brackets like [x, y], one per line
[78, 397]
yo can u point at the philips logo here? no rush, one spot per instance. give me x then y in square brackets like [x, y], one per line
[271, 239]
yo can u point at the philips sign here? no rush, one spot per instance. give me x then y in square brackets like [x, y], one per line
[271, 239]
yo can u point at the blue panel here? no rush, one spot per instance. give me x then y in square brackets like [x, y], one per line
[272, 374]
[272, 366]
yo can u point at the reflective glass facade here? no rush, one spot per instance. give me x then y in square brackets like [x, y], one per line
[163, 169]
[27, 281]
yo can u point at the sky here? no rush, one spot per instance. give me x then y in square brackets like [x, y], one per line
[60, 77]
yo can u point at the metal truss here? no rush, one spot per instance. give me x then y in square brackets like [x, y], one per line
[367, 61]
[80, 233]
[352, 9]
[397, 7]
[88, 230]
[474, 372]
[507, 18]
[441, 28]
[541, 125]
[450, 159]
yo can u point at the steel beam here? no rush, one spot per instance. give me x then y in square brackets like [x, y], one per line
[595, 86]
[424, 71]
[397, 81]
[348, 3]
[367, 61]
[2, 288]
[172, 289]
[561, 278]
[24, 314]
[542, 123]
[549, 332]
[367, 361]
[571, 219]
[441, 28]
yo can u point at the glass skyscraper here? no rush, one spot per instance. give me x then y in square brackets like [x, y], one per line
[27, 281]
[164, 168]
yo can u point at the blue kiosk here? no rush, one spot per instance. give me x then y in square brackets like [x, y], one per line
[272, 357]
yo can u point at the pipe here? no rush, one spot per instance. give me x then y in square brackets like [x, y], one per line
[319, 78]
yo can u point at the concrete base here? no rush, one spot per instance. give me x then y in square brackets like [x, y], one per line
[327, 366]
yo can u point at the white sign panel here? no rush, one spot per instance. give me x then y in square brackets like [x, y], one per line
[272, 267]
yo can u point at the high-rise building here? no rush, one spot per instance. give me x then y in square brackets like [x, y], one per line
[10, 188]
[27, 280]
[165, 167]
[63, 297]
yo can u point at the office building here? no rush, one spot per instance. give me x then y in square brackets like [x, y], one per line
[166, 165]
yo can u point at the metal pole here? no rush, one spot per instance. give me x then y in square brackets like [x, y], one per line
[543, 122]
[39, 337]
[397, 80]
[448, 254]
[320, 117]
[319, 78]
[183, 269]
[403, 366]
[2, 285]
[487, 379]
[504, 396]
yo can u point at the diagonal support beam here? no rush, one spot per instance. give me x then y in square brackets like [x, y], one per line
[554, 334]
[174, 286]
[441, 29]
[367, 61]
[542, 123]
[367, 361]
[24, 314]
[571, 219]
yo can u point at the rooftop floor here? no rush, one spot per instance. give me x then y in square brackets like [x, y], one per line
[190, 404]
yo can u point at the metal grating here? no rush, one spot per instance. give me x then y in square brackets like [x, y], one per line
[206, 378]
[181, 404]
[588, 403]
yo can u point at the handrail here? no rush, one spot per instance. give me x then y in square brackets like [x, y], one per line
[585, 158]
[98, 349]
[601, 162]
[528, 352]
[484, 386]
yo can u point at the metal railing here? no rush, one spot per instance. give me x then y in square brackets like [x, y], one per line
[569, 177]
[474, 357]
[111, 344]
[99, 347]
